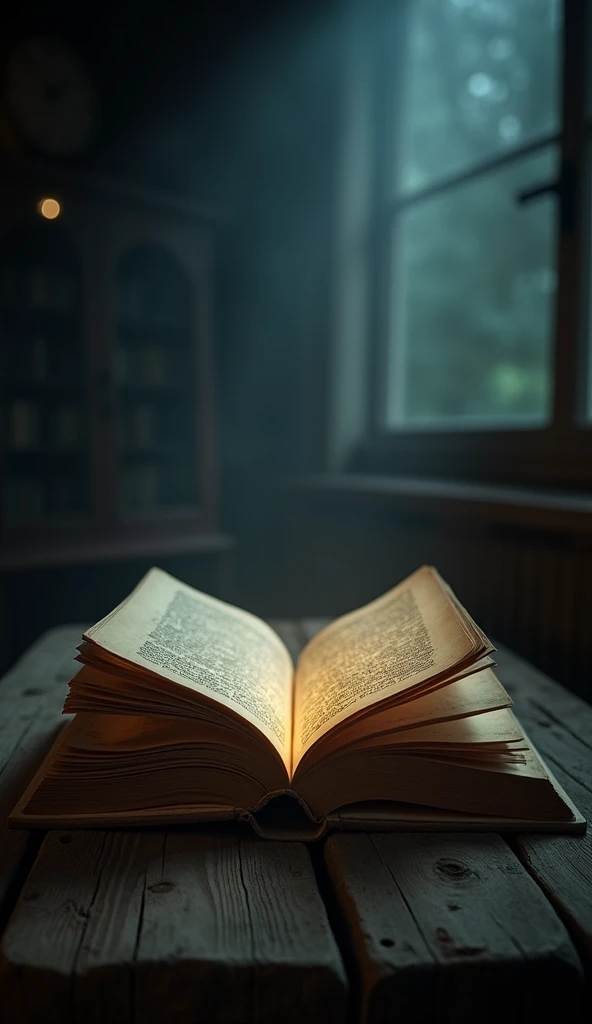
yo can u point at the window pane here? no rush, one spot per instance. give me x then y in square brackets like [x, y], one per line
[482, 77]
[472, 303]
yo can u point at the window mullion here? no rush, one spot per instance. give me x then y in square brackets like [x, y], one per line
[388, 83]
[573, 229]
[471, 174]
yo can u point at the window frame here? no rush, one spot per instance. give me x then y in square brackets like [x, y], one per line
[559, 453]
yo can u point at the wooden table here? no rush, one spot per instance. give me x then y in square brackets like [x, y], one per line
[219, 926]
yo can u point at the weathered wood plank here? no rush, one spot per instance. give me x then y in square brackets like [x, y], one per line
[450, 928]
[31, 699]
[78, 911]
[390, 955]
[560, 724]
[181, 927]
[284, 901]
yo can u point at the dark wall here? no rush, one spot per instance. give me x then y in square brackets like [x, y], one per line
[236, 104]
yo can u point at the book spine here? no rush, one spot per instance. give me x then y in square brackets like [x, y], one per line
[24, 426]
[39, 362]
[39, 291]
[67, 427]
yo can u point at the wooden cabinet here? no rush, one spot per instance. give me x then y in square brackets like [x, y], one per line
[106, 387]
[106, 371]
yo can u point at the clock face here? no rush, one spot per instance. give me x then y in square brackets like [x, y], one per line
[50, 96]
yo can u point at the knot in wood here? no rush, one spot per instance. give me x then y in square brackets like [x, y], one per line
[162, 887]
[452, 949]
[453, 870]
[73, 909]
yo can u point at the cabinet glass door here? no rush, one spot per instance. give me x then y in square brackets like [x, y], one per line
[43, 380]
[155, 381]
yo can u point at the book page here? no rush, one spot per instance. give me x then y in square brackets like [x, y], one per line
[471, 694]
[492, 728]
[411, 634]
[208, 646]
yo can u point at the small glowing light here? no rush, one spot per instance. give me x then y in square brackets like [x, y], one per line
[509, 128]
[480, 85]
[49, 208]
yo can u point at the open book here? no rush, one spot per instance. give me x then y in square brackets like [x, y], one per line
[189, 709]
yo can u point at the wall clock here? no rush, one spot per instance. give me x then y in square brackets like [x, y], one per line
[50, 96]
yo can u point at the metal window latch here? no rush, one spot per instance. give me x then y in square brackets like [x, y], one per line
[564, 187]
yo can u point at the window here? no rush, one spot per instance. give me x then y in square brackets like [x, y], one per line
[477, 269]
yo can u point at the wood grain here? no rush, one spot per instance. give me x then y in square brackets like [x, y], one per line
[443, 925]
[181, 927]
[31, 699]
[560, 724]
[299, 974]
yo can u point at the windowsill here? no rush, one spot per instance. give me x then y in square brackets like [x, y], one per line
[500, 503]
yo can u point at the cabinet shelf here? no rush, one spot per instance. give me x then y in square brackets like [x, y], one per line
[40, 389]
[45, 317]
[159, 451]
[139, 331]
[156, 392]
[45, 453]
